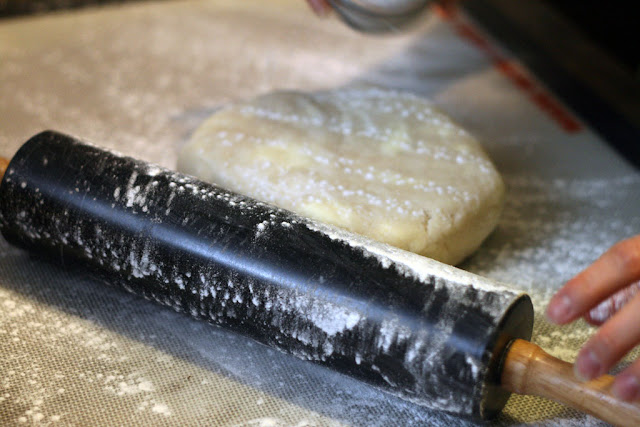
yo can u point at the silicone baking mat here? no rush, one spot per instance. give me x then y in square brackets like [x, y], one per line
[139, 78]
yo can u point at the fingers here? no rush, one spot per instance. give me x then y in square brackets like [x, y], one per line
[320, 7]
[626, 386]
[607, 308]
[615, 269]
[611, 274]
[612, 341]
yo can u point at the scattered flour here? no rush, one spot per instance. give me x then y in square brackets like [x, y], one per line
[161, 408]
[551, 230]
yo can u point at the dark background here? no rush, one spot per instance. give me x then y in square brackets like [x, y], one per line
[614, 27]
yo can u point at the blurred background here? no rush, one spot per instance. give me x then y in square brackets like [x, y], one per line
[585, 51]
[611, 27]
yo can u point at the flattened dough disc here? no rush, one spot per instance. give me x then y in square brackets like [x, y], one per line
[380, 163]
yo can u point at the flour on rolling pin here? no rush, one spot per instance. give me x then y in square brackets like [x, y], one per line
[409, 325]
[384, 164]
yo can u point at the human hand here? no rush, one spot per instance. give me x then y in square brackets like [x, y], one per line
[320, 7]
[615, 271]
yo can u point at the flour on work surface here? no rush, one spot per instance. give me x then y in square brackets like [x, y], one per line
[550, 230]
[384, 164]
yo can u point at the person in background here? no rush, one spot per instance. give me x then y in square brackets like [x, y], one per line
[611, 277]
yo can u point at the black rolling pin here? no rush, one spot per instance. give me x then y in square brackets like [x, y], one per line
[419, 329]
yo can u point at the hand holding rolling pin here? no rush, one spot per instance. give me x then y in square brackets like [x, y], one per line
[615, 271]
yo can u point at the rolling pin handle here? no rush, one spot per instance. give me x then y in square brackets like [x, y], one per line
[528, 369]
[4, 164]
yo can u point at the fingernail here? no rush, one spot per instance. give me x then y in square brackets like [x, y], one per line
[560, 309]
[587, 366]
[626, 387]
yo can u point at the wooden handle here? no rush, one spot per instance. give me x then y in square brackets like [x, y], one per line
[530, 370]
[4, 163]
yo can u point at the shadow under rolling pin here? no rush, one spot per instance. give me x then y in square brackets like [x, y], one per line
[425, 331]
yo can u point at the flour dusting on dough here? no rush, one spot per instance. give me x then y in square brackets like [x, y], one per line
[381, 163]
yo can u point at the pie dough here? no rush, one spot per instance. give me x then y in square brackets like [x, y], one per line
[384, 164]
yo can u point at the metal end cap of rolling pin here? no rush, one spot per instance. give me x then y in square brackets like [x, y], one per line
[379, 16]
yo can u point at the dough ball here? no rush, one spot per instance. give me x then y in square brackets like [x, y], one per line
[384, 164]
